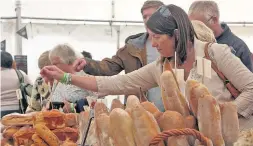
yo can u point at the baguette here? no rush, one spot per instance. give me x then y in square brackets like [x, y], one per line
[16, 119]
[209, 119]
[150, 107]
[193, 91]
[132, 101]
[23, 136]
[10, 131]
[102, 130]
[229, 123]
[38, 141]
[172, 98]
[71, 119]
[116, 104]
[53, 119]
[67, 133]
[48, 136]
[121, 128]
[100, 108]
[145, 125]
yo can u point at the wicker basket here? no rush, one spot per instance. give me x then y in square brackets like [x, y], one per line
[177, 132]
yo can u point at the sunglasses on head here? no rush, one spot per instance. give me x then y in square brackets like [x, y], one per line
[164, 11]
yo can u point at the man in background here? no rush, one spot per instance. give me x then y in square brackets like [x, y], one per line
[136, 53]
[208, 12]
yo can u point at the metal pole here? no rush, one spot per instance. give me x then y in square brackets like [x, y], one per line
[18, 41]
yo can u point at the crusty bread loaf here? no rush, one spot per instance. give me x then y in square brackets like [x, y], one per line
[68, 143]
[193, 91]
[53, 119]
[209, 119]
[172, 98]
[173, 120]
[121, 128]
[145, 125]
[102, 130]
[229, 123]
[132, 101]
[191, 122]
[23, 136]
[47, 135]
[16, 119]
[38, 141]
[100, 108]
[150, 107]
[84, 118]
[67, 133]
[116, 104]
[10, 131]
[71, 119]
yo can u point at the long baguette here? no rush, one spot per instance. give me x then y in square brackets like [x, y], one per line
[116, 104]
[150, 107]
[38, 141]
[209, 119]
[47, 135]
[121, 128]
[229, 123]
[102, 129]
[193, 91]
[145, 125]
[16, 119]
[172, 98]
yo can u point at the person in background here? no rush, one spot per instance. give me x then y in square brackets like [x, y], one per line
[63, 57]
[172, 31]
[208, 12]
[40, 91]
[9, 84]
[82, 102]
[136, 53]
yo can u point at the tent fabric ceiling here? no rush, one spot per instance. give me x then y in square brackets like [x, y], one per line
[234, 10]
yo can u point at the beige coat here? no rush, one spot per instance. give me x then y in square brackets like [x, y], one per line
[231, 66]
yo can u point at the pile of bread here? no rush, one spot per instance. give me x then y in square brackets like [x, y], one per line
[46, 128]
[140, 121]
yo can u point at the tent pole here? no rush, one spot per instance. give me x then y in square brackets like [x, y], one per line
[18, 41]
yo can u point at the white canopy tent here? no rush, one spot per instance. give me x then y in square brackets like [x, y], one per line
[99, 38]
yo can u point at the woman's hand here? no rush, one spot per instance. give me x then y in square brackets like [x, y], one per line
[49, 73]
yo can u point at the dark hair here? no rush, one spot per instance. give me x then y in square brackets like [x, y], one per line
[169, 18]
[151, 4]
[6, 59]
[86, 54]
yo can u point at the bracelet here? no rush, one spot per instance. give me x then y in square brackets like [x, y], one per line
[72, 107]
[66, 79]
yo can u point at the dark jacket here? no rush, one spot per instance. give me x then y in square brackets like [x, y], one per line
[241, 49]
[129, 58]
